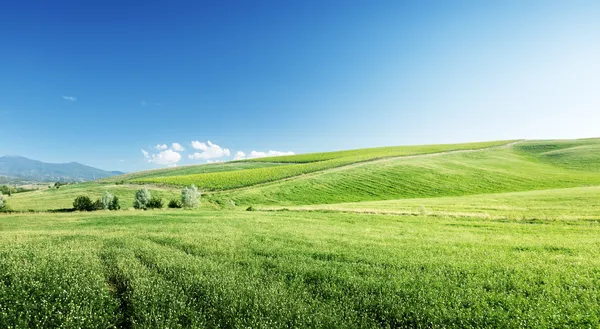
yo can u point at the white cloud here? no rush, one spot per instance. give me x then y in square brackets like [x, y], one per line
[209, 151]
[177, 147]
[70, 98]
[167, 157]
[256, 154]
[161, 147]
[239, 156]
[146, 155]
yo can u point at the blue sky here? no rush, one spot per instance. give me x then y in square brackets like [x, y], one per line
[98, 81]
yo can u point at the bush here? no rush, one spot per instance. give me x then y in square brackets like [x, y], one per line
[106, 200]
[83, 203]
[98, 205]
[155, 203]
[250, 209]
[2, 202]
[114, 204]
[190, 197]
[175, 204]
[142, 197]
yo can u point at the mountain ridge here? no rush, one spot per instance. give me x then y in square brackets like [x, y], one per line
[19, 168]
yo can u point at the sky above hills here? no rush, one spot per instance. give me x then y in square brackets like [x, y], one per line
[137, 85]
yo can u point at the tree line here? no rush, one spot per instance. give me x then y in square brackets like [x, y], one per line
[190, 198]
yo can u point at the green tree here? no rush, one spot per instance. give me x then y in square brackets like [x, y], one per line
[114, 204]
[175, 204]
[155, 203]
[190, 197]
[142, 197]
[2, 202]
[83, 203]
[106, 200]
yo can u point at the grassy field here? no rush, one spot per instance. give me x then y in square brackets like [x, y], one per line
[62, 198]
[190, 170]
[223, 269]
[579, 203]
[501, 237]
[224, 180]
[467, 173]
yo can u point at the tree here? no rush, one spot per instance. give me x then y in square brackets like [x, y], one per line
[175, 204]
[2, 203]
[114, 204]
[155, 203]
[106, 200]
[190, 197]
[83, 203]
[142, 197]
[98, 205]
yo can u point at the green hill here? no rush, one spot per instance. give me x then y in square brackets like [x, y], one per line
[224, 180]
[390, 173]
[484, 235]
[505, 169]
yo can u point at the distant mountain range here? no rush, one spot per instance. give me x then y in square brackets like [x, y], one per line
[16, 168]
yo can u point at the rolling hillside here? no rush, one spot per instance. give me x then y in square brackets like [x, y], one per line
[498, 235]
[352, 176]
[309, 163]
[496, 170]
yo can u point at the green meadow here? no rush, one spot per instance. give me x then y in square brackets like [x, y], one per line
[490, 235]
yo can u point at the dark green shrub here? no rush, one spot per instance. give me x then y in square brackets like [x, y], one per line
[155, 203]
[98, 205]
[114, 204]
[250, 209]
[83, 203]
[175, 204]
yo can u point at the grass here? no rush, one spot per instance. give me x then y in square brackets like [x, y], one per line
[502, 237]
[242, 178]
[485, 171]
[191, 170]
[360, 155]
[583, 154]
[227, 269]
[580, 203]
[62, 198]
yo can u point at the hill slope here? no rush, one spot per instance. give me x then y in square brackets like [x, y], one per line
[307, 163]
[26, 169]
[506, 169]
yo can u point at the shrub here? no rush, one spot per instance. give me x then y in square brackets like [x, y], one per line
[98, 205]
[83, 203]
[106, 200]
[142, 197]
[250, 209]
[155, 203]
[190, 197]
[175, 204]
[114, 204]
[2, 203]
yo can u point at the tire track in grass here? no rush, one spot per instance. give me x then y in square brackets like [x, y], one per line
[120, 289]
